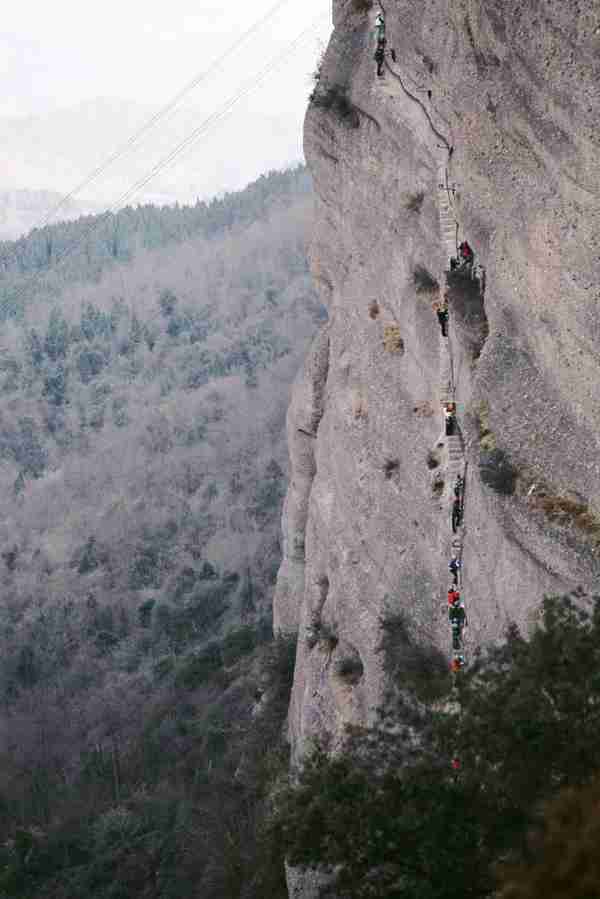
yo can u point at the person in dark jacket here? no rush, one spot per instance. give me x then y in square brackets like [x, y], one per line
[458, 486]
[380, 57]
[450, 419]
[465, 255]
[456, 515]
[454, 566]
[457, 616]
[442, 314]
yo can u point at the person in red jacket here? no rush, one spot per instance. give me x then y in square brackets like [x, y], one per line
[458, 662]
[453, 596]
[465, 254]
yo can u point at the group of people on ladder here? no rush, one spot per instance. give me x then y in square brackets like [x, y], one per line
[456, 609]
[463, 262]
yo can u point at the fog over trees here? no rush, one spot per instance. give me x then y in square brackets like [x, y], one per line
[145, 370]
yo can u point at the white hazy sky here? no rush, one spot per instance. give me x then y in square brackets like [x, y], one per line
[60, 52]
[56, 54]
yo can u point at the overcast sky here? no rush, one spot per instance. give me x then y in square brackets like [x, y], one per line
[59, 53]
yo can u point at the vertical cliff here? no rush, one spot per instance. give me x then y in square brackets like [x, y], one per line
[501, 99]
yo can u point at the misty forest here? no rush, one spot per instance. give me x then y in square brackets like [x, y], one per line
[145, 381]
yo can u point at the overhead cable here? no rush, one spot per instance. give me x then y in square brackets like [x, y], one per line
[213, 120]
[161, 113]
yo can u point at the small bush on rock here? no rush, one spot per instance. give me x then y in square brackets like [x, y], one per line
[362, 5]
[390, 466]
[392, 341]
[349, 669]
[432, 460]
[424, 280]
[414, 202]
[335, 99]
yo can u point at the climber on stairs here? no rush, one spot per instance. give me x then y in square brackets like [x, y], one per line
[458, 662]
[381, 43]
[442, 314]
[454, 566]
[458, 619]
[380, 57]
[450, 418]
[465, 259]
[459, 485]
[453, 596]
[465, 255]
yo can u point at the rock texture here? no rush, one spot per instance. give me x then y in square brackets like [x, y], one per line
[514, 90]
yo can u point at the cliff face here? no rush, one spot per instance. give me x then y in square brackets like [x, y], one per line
[514, 90]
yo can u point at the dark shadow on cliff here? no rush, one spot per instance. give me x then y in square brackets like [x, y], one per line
[334, 99]
[467, 309]
[410, 664]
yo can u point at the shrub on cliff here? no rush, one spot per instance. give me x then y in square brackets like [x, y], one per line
[423, 280]
[414, 202]
[562, 850]
[335, 99]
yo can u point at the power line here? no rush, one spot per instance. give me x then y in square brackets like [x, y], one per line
[199, 132]
[216, 117]
[161, 113]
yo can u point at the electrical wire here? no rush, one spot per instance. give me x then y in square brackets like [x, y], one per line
[216, 117]
[211, 121]
[161, 113]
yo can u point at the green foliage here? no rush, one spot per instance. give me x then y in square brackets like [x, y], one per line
[167, 302]
[418, 667]
[56, 343]
[23, 445]
[87, 557]
[126, 679]
[143, 228]
[561, 858]
[386, 819]
[178, 810]
[414, 202]
[335, 99]
[195, 670]
[423, 280]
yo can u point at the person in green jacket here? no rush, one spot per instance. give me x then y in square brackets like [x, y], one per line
[458, 620]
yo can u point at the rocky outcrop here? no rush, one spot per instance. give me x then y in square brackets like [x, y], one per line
[303, 419]
[512, 91]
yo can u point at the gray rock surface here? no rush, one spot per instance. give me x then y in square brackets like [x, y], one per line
[515, 91]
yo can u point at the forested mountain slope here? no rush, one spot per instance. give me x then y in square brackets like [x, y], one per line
[21, 209]
[142, 457]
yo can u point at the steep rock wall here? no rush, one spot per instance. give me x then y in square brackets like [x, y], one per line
[514, 90]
